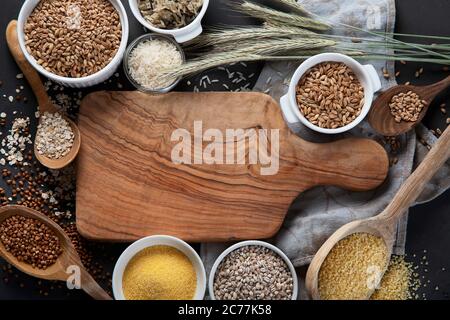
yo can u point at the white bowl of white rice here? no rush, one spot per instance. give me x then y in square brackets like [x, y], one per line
[146, 59]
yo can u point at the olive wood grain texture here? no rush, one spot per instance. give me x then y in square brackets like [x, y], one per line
[68, 258]
[384, 225]
[45, 103]
[128, 187]
[380, 117]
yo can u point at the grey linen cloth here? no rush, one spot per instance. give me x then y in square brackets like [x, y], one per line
[317, 213]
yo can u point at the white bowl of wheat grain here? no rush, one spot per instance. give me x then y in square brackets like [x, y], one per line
[87, 80]
[294, 111]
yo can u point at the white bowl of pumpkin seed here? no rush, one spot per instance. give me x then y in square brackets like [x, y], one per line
[159, 268]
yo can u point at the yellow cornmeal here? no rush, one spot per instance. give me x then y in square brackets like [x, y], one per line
[159, 273]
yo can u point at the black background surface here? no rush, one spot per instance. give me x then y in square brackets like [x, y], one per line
[429, 225]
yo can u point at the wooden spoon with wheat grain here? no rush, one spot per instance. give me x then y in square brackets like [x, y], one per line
[381, 119]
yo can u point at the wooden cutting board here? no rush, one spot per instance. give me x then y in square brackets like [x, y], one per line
[128, 187]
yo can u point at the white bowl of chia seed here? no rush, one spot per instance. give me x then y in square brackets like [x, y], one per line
[275, 275]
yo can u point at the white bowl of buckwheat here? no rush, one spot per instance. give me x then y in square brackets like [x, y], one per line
[76, 44]
[330, 93]
[253, 270]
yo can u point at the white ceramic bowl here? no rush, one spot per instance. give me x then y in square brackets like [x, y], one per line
[133, 45]
[151, 241]
[366, 74]
[252, 243]
[181, 35]
[83, 82]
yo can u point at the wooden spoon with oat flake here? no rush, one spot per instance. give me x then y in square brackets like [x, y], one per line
[66, 264]
[383, 122]
[45, 104]
[385, 224]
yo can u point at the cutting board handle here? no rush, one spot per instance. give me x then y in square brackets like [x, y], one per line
[354, 164]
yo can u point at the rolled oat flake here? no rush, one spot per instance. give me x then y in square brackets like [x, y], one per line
[54, 138]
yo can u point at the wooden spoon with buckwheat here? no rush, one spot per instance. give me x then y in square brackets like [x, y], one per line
[68, 258]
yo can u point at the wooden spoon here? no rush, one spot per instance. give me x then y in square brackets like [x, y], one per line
[68, 258]
[380, 117]
[384, 225]
[45, 104]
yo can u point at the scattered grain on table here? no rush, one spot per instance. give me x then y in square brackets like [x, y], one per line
[400, 282]
[51, 192]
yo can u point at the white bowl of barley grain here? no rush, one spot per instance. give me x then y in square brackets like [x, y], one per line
[74, 82]
[366, 74]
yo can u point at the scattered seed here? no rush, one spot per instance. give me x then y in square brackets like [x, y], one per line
[399, 282]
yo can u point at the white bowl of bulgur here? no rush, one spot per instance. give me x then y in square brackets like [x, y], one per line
[330, 93]
[77, 43]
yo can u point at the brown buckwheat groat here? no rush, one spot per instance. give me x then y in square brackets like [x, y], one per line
[30, 241]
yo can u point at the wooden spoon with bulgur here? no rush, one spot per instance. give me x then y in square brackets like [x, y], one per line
[348, 263]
